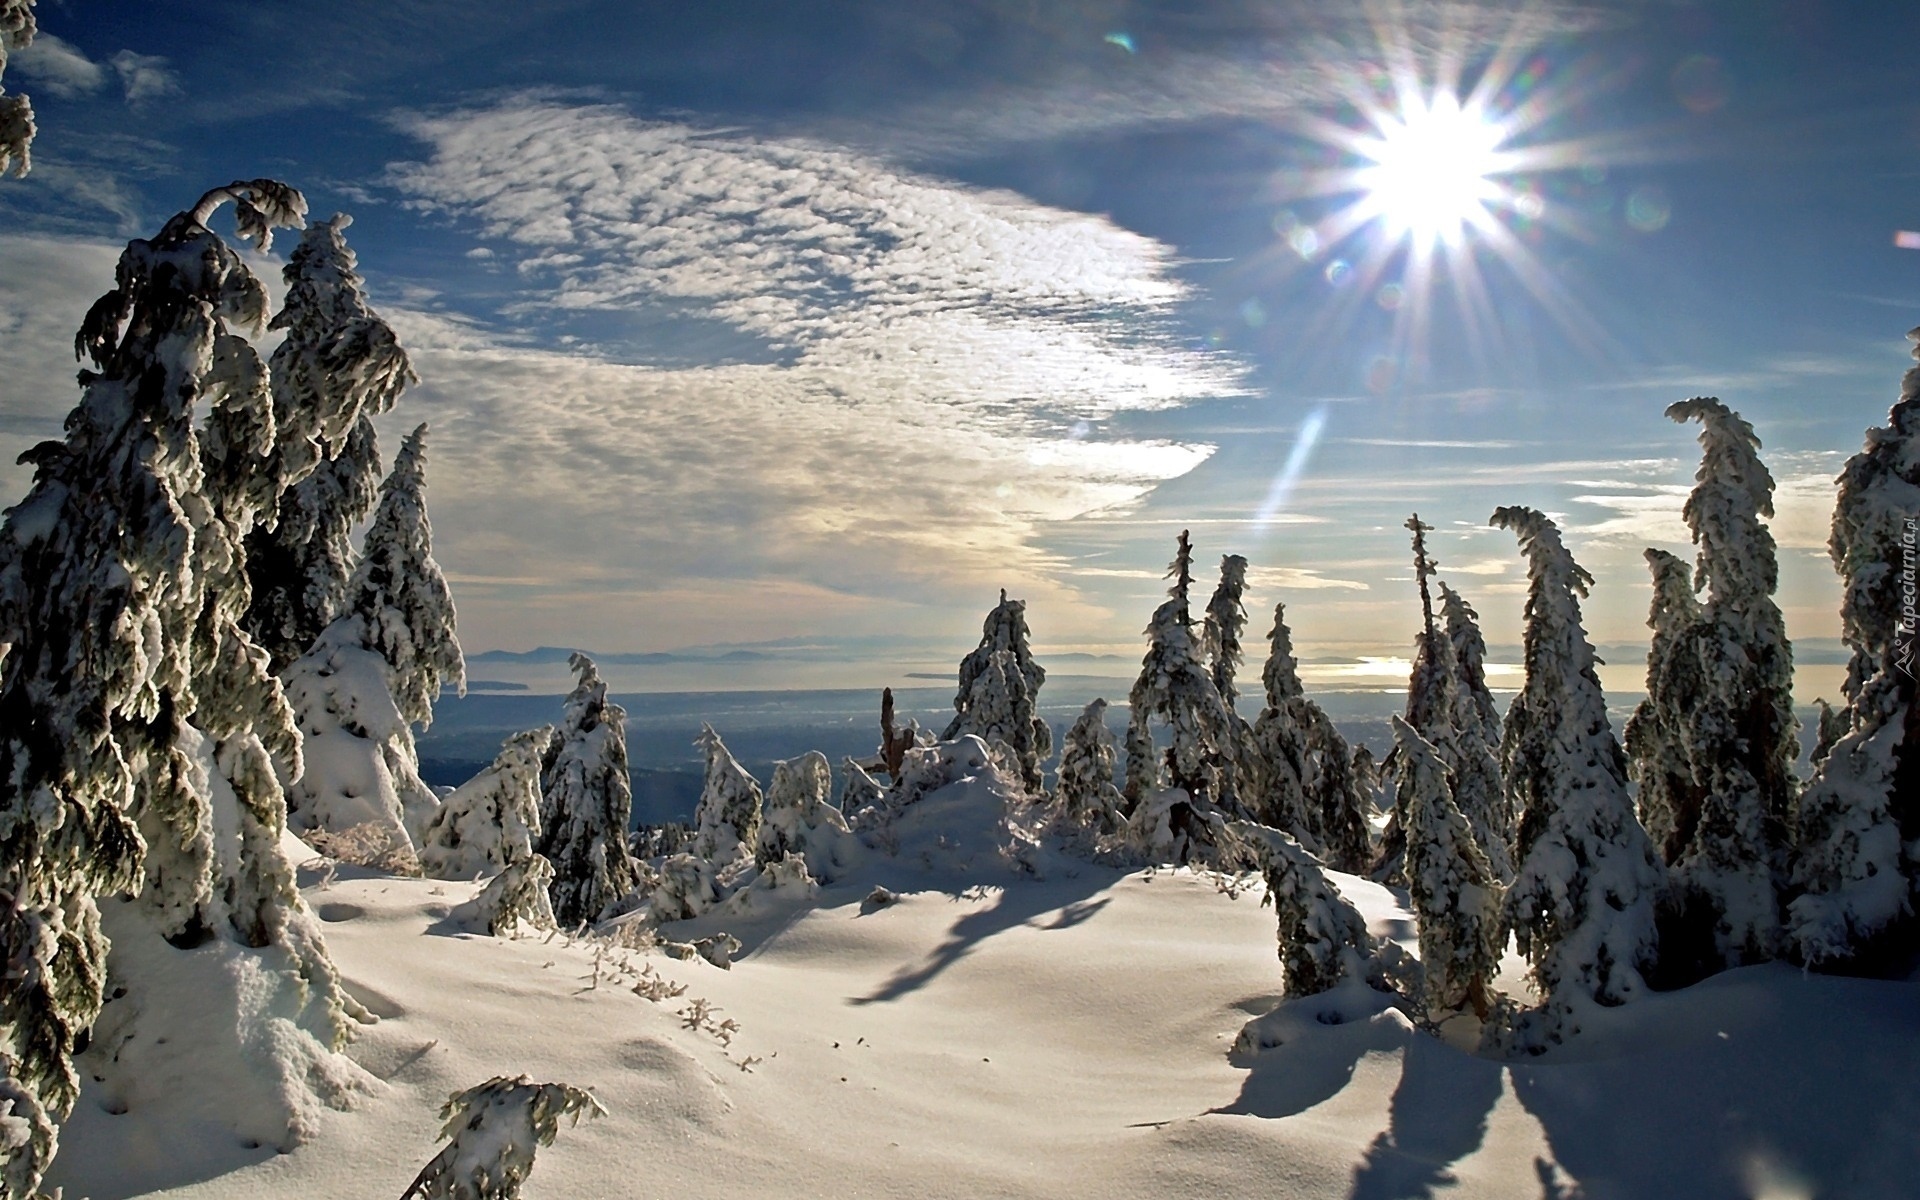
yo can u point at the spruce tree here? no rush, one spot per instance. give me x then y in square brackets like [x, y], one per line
[1670, 801]
[492, 1132]
[726, 820]
[1740, 733]
[1478, 791]
[17, 29]
[1431, 701]
[492, 821]
[139, 730]
[1581, 906]
[586, 804]
[1085, 790]
[999, 693]
[1220, 634]
[375, 671]
[1174, 688]
[339, 366]
[1324, 941]
[1858, 861]
[1308, 787]
[1455, 891]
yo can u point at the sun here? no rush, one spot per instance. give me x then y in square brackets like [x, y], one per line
[1432, 171]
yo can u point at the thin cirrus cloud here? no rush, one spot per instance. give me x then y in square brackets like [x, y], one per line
[942, 361]
[62, 69]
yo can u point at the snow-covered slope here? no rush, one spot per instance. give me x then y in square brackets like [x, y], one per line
[993, 1034]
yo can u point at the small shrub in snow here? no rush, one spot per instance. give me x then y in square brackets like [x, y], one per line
[1085, 792]
[369, 845]
[860, 791]
[1324, 941]
[516, 897]
[685, 886]
[493, 1131]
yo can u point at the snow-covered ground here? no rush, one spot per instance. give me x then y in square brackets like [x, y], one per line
[993, 1034]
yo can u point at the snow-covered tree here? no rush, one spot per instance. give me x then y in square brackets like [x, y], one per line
[859, 790]
[800, 819]
[1324, 941]
[491, 821]
[1177, 690]
[586, 801]
[1581, 905]
[1740, 734]
[1656, 745]
[493, 1131]
[1478, 791]
[1456, 894]
[1085, 789]
[1226, 621]
[139, 730]
[339, 366]
[1432, 688]
[726, 820]
[1307, 784]
[999, 693]
[517, 896]
[17, 29]
[1858, 863]
[375, 671]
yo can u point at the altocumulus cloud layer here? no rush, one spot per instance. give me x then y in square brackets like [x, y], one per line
[942, 360]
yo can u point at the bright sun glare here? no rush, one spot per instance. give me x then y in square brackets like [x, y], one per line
[1432, 169]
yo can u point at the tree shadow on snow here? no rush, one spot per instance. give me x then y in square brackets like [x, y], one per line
[1761, 1081]
[1021, 902]
[1438, 1117]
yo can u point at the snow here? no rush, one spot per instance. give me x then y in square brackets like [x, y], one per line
[990, 1032]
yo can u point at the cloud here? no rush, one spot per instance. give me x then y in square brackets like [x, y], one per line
[46, 285]
[144, 77]
[57, 68]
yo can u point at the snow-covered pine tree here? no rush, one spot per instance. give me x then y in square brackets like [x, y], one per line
[491, 821]
[1308, 786]
[1858, 861]
[1324, 940]
[999, 693]
[1455, 892]
[1220, 634]
[859, 790]
[136, 721]
[1478, 791]
[17, 29]
[586, 802]
[1741, 736]
[492, 1132]
[339, 366]
[1582, 902]
[726, 821]
[1431, 700]
[1085, 791]
[1669, 800]
[375, 671]
[1174, 688]
[800, 819]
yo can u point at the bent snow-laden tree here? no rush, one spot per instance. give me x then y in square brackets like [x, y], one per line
[1859, 823]
[492, 820]
[1739, 735]
[492, 1132]
[586, 802]
[1581, 905]
[339, 366]
[800, 819]
[999, 693]
[1324, 941]
[17, 29]
[1174, 688]
[1669, 798]
[376, 670]
[140, 735]
[1455, 891]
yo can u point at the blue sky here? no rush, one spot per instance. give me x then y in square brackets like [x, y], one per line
[818, 323]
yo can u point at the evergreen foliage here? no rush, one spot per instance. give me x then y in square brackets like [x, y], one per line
[1740, 735]
[492, 821]
[492, 1132]
[17, 29]
[1669, 800]
[799, 819]
[999, 693]
[1456, 894]
[1324, 941]
[140, 735]
[1085, 789]
[1581, 906]
[1307, 784]
[1479, 794]
[339, 366]
[726, 820]
[586, 802]
[1858, 865]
